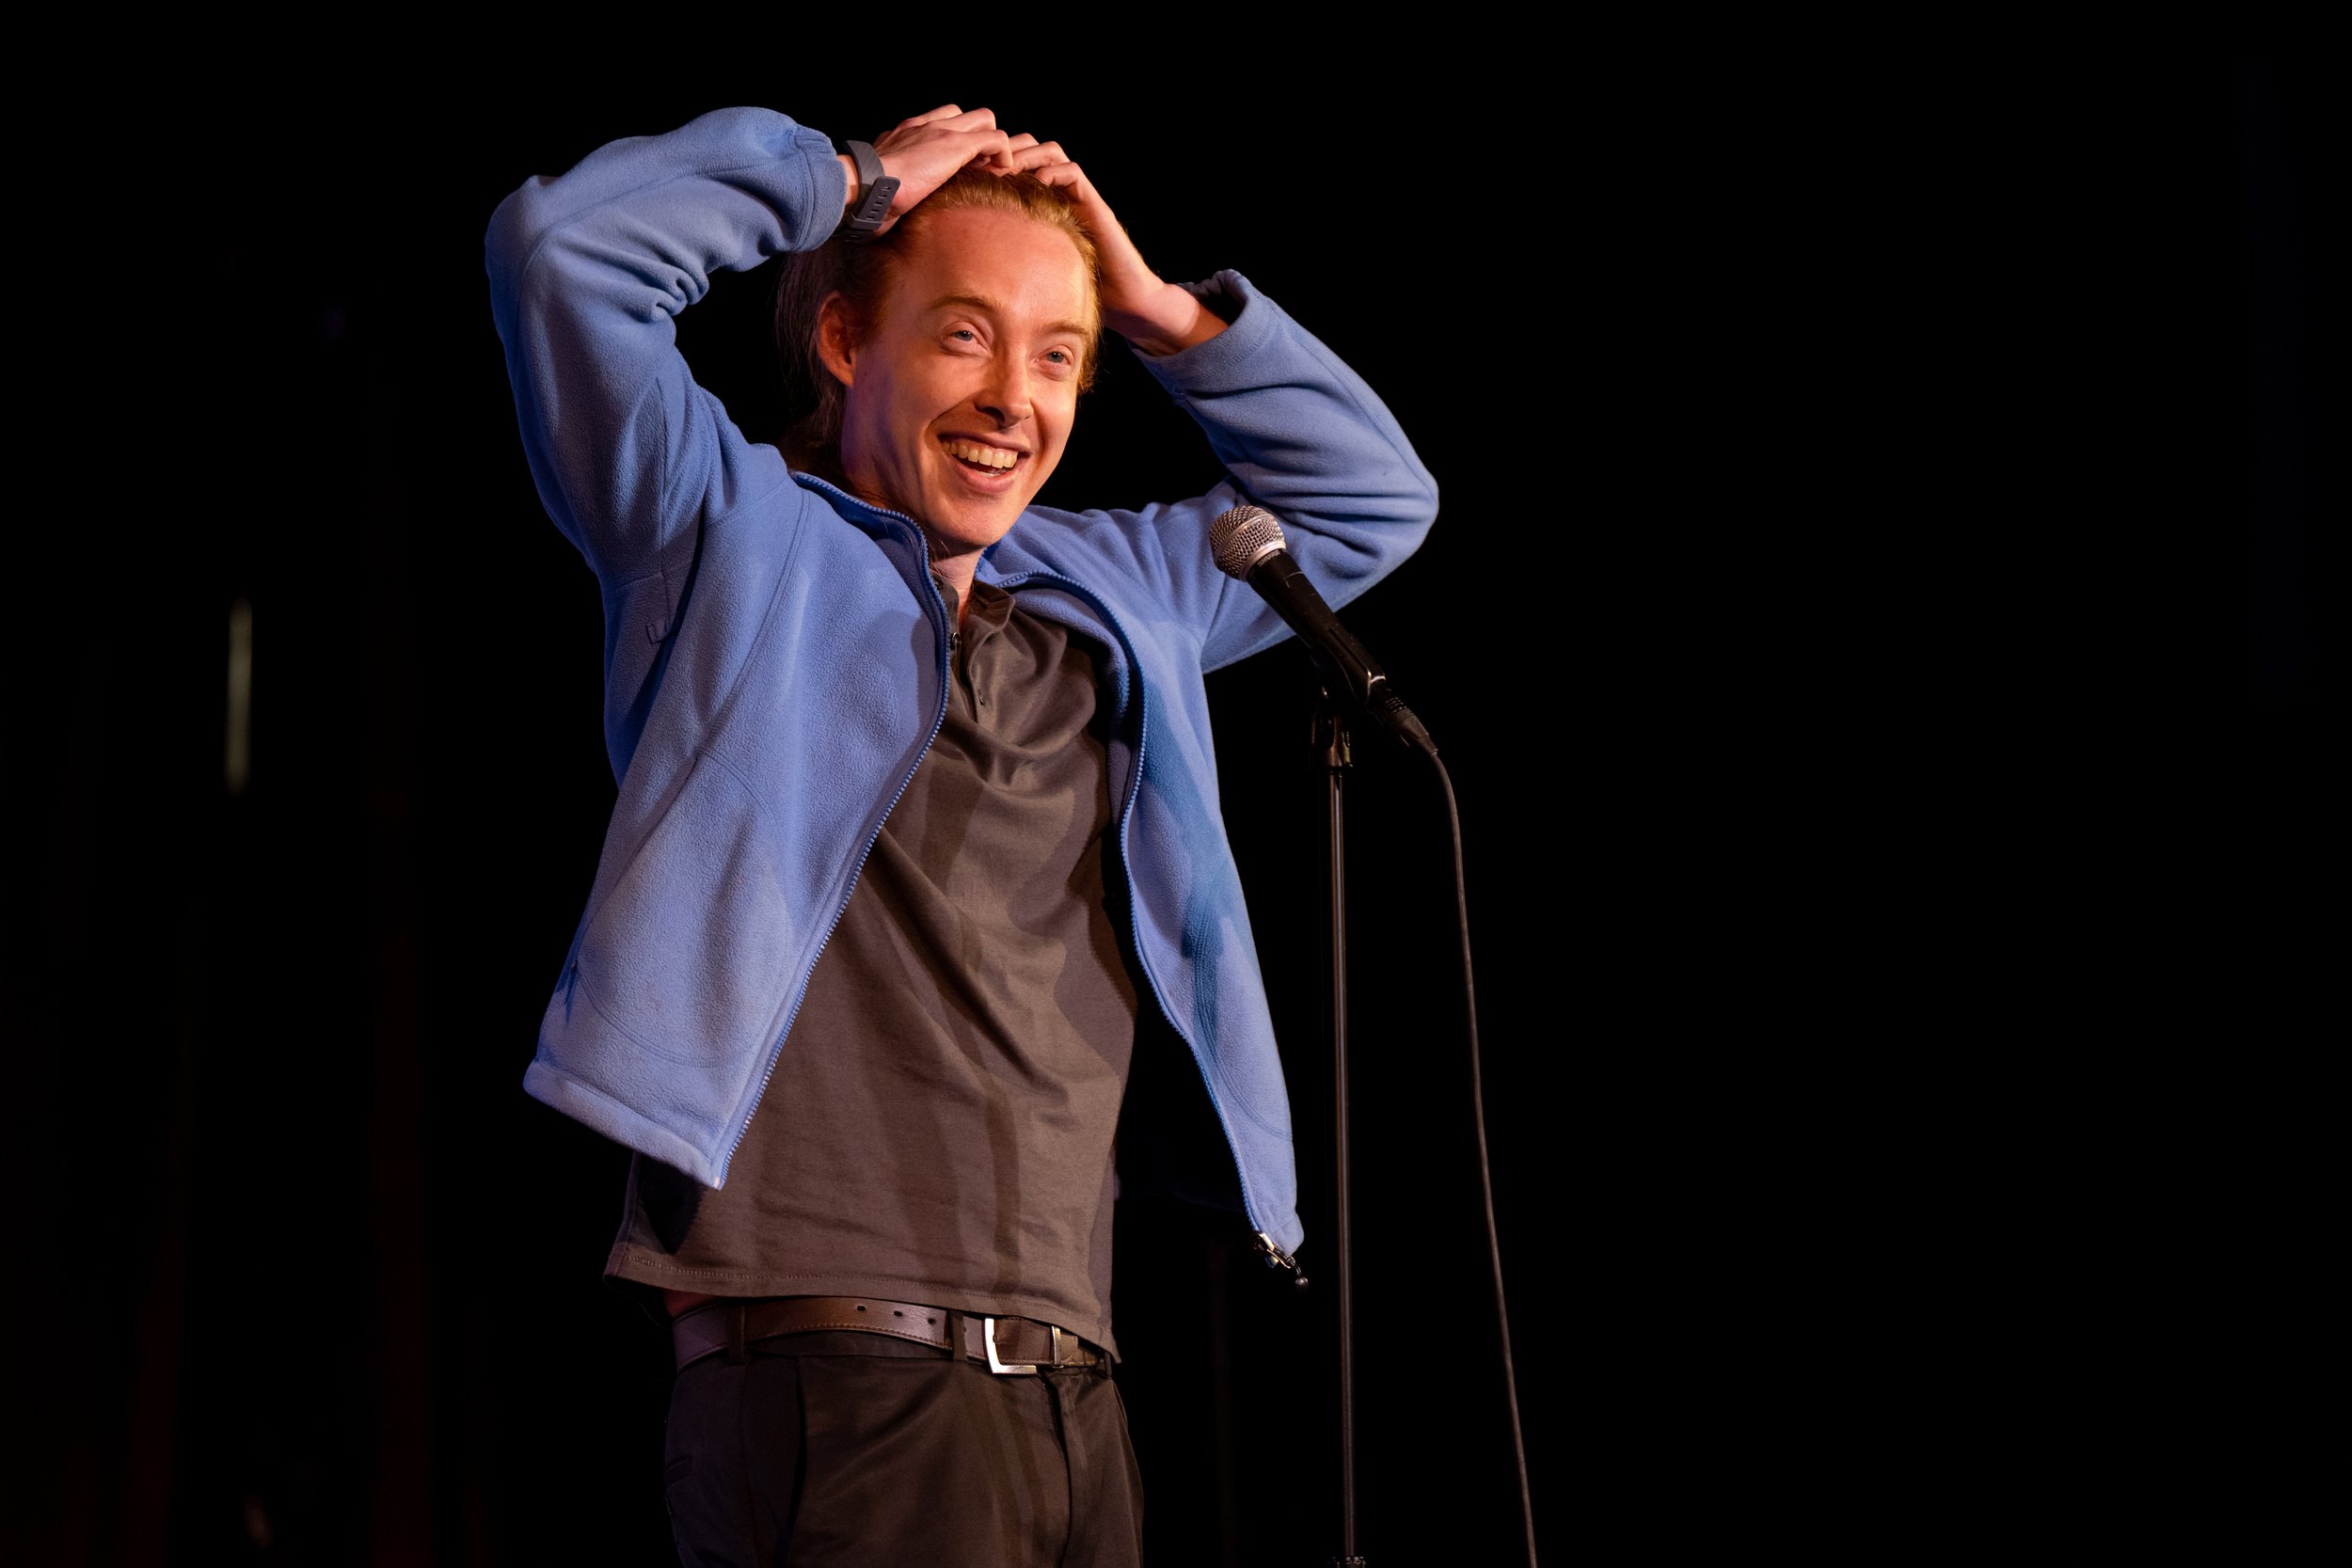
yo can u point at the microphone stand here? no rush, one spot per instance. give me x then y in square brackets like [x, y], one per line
[1331, 739]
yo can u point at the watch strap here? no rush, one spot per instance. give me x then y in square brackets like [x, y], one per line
[876, 191]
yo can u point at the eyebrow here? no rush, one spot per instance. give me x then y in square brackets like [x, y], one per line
[982, 303]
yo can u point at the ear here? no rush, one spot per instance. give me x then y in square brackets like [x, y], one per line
[836, 338]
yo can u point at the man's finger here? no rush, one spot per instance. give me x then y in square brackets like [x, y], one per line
[1062, 173]
[1037, 154]
[966, 120]
[945, 111]
[989, 146]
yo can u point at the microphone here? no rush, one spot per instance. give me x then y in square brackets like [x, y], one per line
[1246, 543]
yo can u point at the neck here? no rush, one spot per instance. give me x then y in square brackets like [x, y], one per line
[956, 572]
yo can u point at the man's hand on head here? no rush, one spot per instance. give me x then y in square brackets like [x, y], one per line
[922, 152]
[1154, 315]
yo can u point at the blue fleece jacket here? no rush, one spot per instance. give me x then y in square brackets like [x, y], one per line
[776, 652]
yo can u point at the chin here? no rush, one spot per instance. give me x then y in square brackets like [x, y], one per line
[961, 531]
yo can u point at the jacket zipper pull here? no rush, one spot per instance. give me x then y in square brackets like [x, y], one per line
[1277, 1258]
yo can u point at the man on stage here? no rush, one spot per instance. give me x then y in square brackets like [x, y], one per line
[917, 811]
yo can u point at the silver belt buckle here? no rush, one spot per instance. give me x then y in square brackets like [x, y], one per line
[988, 1338]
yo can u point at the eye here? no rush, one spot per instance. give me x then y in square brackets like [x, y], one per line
[964, 335]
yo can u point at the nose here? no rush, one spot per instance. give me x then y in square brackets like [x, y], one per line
[1005, 396]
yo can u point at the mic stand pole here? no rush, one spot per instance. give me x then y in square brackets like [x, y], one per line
[1330, 738]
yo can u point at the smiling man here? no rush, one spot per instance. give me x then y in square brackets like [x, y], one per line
[917, 819]
[960, 397]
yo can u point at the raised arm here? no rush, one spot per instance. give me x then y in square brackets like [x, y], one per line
[590, 269]
[588, 273]
[1302, 436]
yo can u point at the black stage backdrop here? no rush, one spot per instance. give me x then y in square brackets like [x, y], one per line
[1870, 627]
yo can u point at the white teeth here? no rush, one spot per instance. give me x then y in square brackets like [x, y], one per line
[993, 457]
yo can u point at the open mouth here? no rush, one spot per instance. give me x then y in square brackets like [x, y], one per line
[982, 458]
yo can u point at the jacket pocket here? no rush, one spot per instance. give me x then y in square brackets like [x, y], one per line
[687, 954]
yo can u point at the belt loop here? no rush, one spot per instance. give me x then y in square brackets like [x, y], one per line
[737, 1354]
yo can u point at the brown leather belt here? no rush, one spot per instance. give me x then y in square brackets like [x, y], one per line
[1002, 1344]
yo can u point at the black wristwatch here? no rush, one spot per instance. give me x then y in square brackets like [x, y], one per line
[875, 193]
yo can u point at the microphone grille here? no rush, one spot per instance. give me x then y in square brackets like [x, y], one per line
[1243, 537]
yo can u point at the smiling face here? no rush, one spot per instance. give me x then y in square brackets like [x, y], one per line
[958, 401]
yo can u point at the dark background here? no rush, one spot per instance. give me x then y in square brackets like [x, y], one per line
[1873, 629]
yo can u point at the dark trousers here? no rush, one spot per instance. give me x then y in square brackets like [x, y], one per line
[852, 1450]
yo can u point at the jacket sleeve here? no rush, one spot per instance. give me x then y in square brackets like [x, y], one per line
[588, 272]
[1300, 435]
